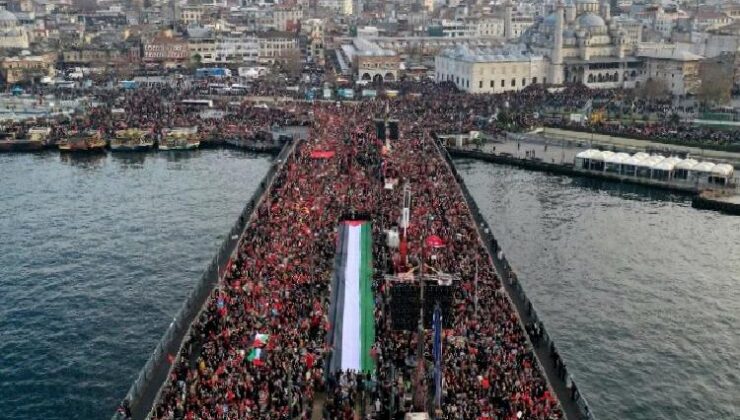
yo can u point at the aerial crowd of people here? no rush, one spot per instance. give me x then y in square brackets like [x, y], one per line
[259, 348]
[610, 111]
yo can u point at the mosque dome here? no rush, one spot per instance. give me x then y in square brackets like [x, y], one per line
[7, 19]
[591, 21]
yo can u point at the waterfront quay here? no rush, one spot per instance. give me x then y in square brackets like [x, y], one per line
[563, 156]
[252, 339]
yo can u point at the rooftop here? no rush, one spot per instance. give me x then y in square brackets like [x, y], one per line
[487, 55]
[668, 52]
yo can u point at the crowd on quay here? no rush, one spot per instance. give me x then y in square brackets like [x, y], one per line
[258, 349]
[158, 107]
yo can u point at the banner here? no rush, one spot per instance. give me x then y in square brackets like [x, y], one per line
[437, 353]
[353, 306]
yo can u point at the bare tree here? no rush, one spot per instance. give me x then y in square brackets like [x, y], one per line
[291, 62]
[653, 88]
[716, 82]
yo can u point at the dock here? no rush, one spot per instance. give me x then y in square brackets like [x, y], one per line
[535, 164]
[722, 202]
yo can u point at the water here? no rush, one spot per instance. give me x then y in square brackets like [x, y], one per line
[640, 291]
[97, 255]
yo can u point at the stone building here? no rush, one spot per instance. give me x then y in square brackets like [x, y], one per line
[12, 33]
[583, 45]
[166, 50]
[490, 71]
[370, 62]
[677, 69]
[28, 68]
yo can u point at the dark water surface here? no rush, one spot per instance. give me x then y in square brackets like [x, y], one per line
[640, 291]
[97, 253]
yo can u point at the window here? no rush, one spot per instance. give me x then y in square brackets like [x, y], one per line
[524, 82]
[480, 84]
[502, 83]
[491, 83]
[513, 82]
[534, 80]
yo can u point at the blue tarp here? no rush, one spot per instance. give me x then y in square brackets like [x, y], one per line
[212, 72]
[346, 93]
[127, 84]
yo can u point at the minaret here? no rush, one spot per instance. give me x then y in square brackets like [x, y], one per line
[556, 58]
[507, 20]
[606, 13]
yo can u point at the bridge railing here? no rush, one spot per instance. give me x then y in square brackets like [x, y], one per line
[145, 389]
[507, 274]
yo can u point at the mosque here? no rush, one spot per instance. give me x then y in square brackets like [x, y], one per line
[577, 42]
[12, 33]
[584, 44]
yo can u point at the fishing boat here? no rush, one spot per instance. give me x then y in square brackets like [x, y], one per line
[131, 140]
[179, 139]
[14, 141]
[83, 141]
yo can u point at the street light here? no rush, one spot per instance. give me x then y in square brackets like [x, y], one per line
[420, 394]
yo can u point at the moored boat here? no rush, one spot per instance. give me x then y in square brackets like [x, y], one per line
[13, 140]
[179, 139]
[85, 141]
[131, 140]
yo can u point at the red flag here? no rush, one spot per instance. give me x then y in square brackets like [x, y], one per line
[309, 360]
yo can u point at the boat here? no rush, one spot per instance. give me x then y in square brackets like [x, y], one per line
[131, 140]
[179, 139]
[85, 141]
[12, 141]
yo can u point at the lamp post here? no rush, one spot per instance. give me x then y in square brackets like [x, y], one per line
[421, 399]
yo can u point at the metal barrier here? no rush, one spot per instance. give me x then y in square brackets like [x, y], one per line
[145, 389]
[507, 274]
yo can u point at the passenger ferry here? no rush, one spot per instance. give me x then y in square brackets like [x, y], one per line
[642, 168]
[14, 141]
[131, 140]
[179, 139]
[84, 141]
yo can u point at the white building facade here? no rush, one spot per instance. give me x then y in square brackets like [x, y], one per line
[489, 71]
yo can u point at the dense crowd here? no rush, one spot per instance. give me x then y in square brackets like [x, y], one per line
[258, 350]
[155, 108]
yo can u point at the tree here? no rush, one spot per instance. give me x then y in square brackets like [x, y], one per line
[478, 141]
[715, 81]
[675, 119]
[653, 88]
[291, 62]
[195, 61]
[504, 118]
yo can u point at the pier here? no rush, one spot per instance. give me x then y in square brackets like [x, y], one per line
[724, 203]
[557, 156]
[255, 325]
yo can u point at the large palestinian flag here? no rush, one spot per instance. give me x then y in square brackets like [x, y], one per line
[352, 307]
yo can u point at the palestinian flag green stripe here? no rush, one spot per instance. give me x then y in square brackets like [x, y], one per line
[367, 303]
[354, 317]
